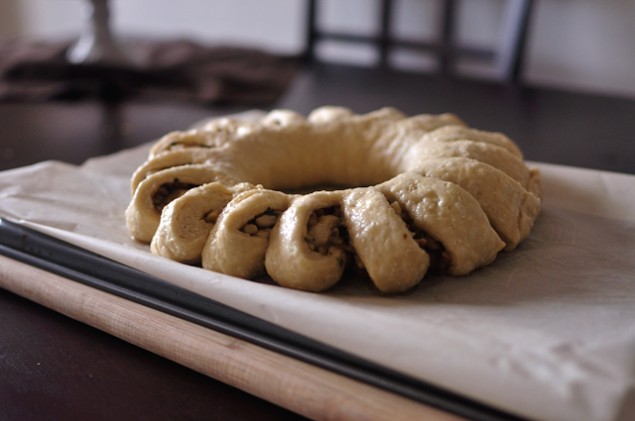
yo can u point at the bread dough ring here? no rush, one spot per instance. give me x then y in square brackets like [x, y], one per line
[435, 195]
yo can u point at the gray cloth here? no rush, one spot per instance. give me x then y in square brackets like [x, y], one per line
[179, 70]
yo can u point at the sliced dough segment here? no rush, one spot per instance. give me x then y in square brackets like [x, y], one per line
[234, 250]
[291, 261]
[187, 221]
[212, 135]
[510, 208]
[328, 114]
[283, 118]
[448, 214]
[534, 185]
[493, 155]
[429, 122]
[168, 159]
[451, 133]
[157, 190]
[382, 241]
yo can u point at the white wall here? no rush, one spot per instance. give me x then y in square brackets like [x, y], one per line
[586, 45]
[274, 24]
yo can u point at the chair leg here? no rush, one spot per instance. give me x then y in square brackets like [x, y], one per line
[516, 25]
[385, 32]
[311, 34]
[446, 52]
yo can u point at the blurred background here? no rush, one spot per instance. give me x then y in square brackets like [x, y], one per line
[581, 45]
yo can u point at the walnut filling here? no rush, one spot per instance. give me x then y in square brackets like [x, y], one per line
[167, 192]
[439, 258]
[179, 145]
[261, 225]
[325, 230]
[210, 136]
[185, 140]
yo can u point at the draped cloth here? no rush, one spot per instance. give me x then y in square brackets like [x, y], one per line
[180, 70]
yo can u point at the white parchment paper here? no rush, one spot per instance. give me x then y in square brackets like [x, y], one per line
[547, 331]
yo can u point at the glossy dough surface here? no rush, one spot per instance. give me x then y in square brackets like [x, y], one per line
[435, 195]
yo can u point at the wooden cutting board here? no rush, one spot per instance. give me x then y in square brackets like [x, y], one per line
[300, 387]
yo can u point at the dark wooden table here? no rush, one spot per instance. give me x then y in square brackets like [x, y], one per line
[567, 128]
[52, 367]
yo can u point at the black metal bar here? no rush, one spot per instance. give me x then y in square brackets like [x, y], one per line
[385, 35]
[464, 51]
[515, 30]
[56, 256]
[446, 57]
[311, 34]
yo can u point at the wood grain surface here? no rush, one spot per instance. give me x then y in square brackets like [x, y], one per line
[297, 386]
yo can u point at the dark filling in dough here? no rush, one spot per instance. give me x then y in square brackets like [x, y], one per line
[325, 230]
[178, 145]
[439, 258]
[261, 224]
[167, 192]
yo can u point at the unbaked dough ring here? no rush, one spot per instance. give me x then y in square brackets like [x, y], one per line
[416, 194]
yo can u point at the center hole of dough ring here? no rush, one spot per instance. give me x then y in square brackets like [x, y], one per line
[308, 158]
